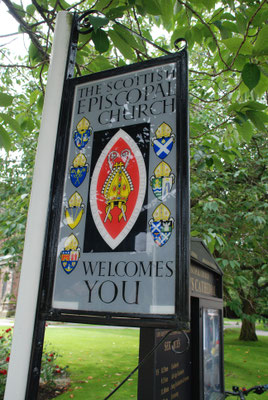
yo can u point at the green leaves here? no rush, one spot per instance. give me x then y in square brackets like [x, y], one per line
[100, 40]
[261, 44]
[152, 7]
[128, 37]
[14, 125]
[122, 45]
[100, 64]
[5, 99]
[97, 22]
[235, 43]
[5, 141]
[251, 75]
[34, 54]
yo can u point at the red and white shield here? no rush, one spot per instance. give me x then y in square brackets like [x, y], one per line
[118, 188]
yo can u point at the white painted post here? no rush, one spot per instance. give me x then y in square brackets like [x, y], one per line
[37, 215]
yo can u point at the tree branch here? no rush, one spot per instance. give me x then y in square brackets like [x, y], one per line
[247, 29]
[27, 28]
[186, 5]
[220, 98]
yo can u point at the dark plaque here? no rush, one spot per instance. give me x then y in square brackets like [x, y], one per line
[167, 374]
[203, 282]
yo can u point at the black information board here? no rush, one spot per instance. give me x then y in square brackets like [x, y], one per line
[167, 375]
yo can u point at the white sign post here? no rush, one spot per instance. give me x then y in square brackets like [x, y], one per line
[37, 215]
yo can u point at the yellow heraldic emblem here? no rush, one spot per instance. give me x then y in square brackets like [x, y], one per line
[118, 185]
[69, 256]
[164, 130]
[74, 212]
[161, 225]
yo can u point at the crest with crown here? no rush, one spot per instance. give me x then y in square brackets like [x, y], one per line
[82, 133]
[163, 140]
[78, 170]
[161, 225]
[162, 180]
[69, 256]
[74, 212]
[118, 184]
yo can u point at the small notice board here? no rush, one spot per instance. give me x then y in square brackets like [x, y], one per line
[118, 230]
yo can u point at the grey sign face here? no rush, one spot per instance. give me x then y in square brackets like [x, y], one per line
[117, 237]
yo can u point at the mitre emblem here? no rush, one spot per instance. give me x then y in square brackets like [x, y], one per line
[117, 188]
[162, 180]
[161, 225]
[78, 170]
[82, 133]
[69, 256]
[74, 211]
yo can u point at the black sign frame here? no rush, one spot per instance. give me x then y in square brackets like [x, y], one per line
[180, 318]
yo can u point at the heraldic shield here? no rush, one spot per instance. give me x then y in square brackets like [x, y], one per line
[118, 188]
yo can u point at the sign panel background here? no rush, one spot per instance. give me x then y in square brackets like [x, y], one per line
[138, 275]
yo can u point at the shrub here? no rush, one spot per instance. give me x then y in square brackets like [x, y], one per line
[5, 343]
[50, 371]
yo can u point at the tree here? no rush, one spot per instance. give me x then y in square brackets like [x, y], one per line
[233, 215]
[228, 45]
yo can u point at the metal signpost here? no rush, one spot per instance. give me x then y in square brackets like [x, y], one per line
[116, 249]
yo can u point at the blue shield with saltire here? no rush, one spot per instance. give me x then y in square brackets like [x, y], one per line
[159, 234]
[163, 146]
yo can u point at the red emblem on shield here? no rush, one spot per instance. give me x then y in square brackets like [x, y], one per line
[117, 188]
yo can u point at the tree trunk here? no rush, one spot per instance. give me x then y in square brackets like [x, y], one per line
[248, 331]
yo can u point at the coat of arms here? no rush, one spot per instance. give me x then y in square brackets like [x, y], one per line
[162, 180]
[69, 256]
[117, 188]
[163, 140]
[78, 170]
[161, 225]
[74, 212]
[82, 133]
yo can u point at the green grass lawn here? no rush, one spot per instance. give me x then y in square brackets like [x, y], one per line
[99, 359]
[245, 363]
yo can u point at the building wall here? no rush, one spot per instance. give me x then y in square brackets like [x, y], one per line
[9, 283]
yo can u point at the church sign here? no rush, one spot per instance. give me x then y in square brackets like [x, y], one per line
[122, 218]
